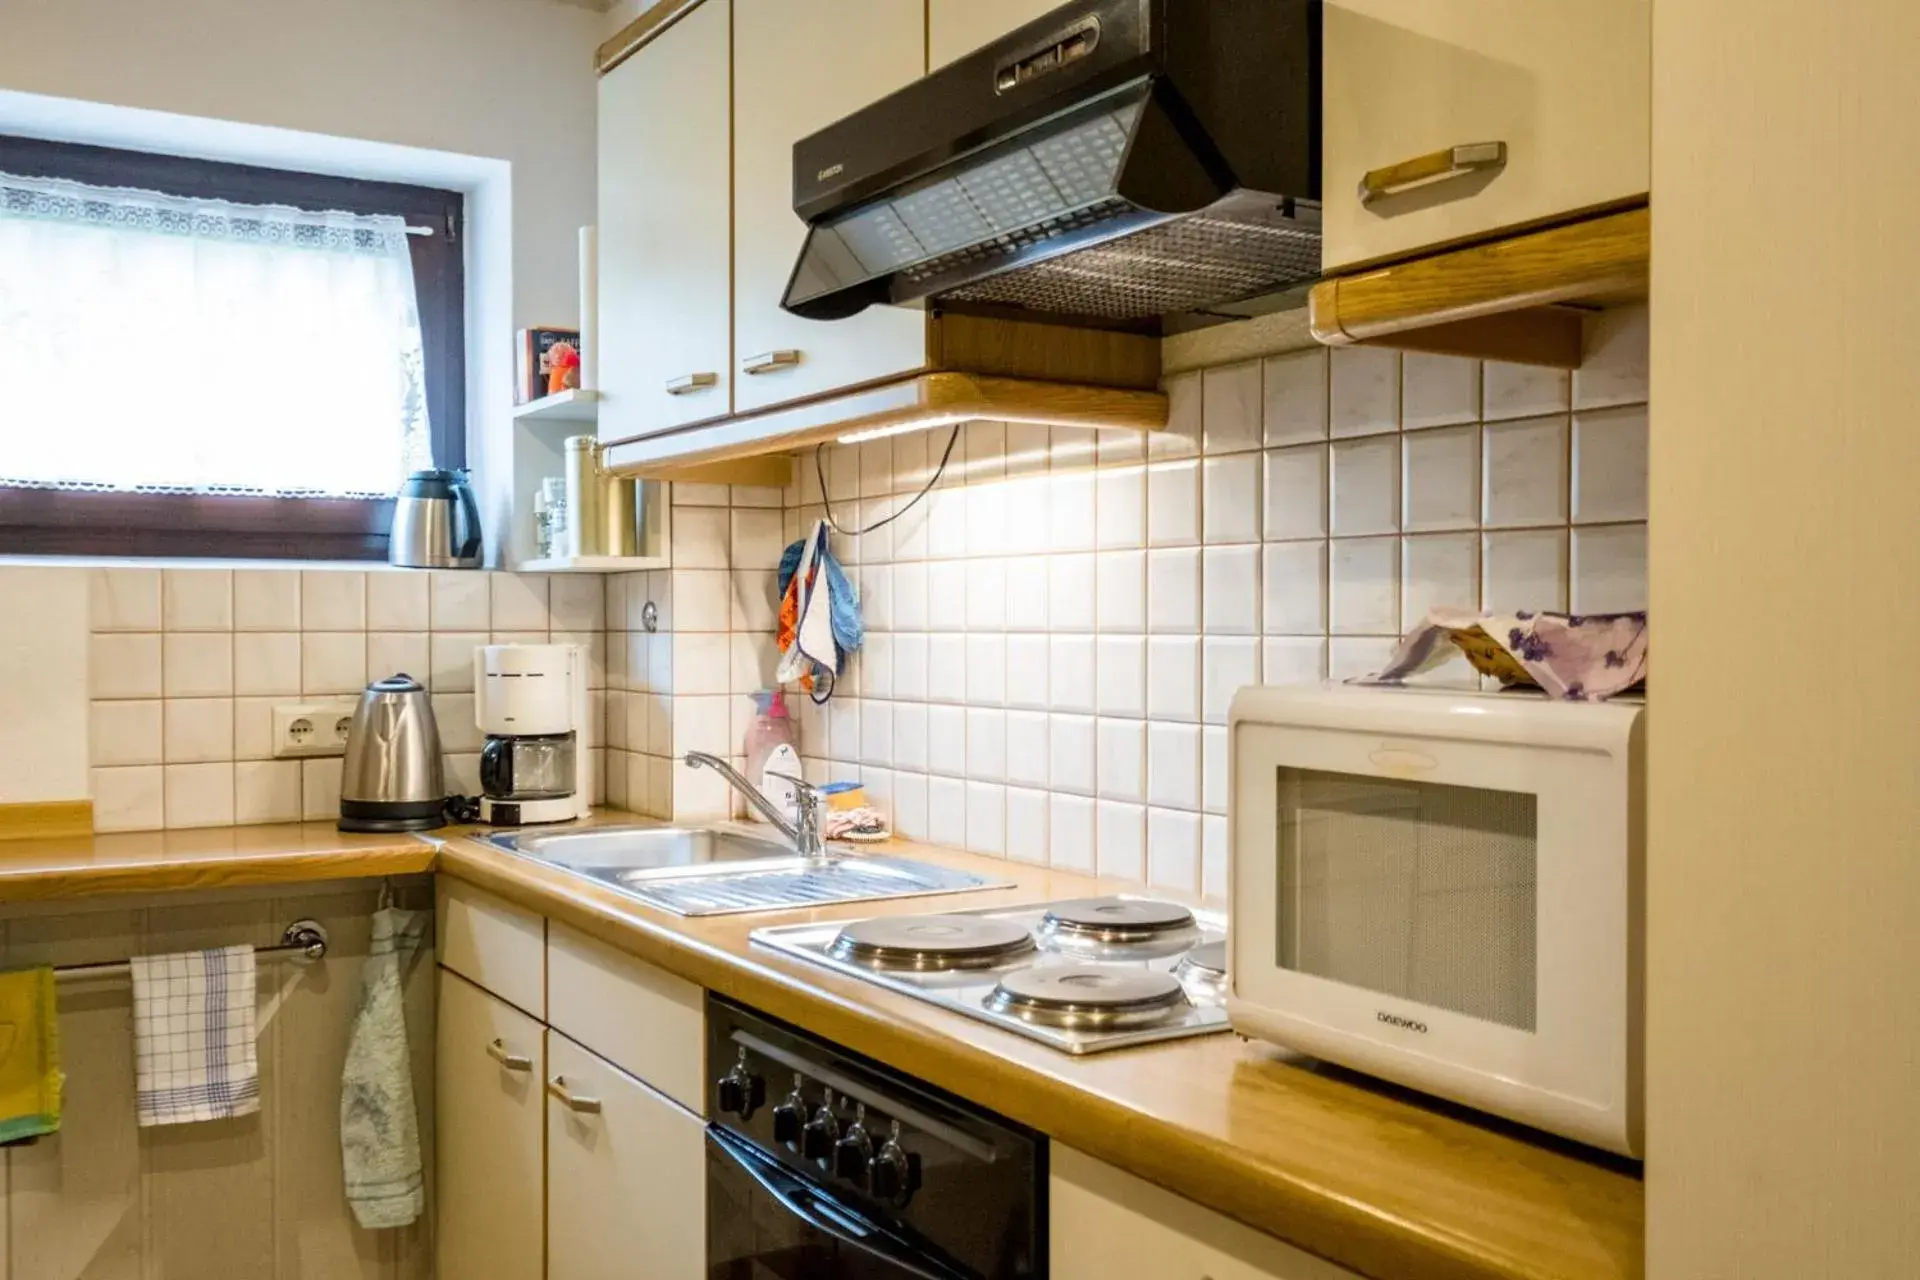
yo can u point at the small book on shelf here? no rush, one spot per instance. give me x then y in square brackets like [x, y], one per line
[533, 360]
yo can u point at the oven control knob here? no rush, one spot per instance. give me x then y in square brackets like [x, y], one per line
[817, 1142]
[740, 1092]
[855, 1149]
[893, 1175]
[790, 1117]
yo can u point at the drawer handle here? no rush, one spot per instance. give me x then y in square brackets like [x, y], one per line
[557, 1088]
[687, 384]
[1439, 166]
[770, 361]
[499, 1052]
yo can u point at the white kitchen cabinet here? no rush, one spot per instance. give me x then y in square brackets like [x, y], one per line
[801, 65]
[487, 1159]
[1107, 1223]
[1565, 84]
[958, 27]
[626, 1175]
[664, 230]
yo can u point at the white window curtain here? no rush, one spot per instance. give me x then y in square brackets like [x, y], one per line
[157, 343]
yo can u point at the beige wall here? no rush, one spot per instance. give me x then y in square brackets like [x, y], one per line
[1783, 1113]
[257, 1197]
[506, 79]
[43, 681]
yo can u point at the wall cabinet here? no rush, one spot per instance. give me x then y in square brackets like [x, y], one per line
[958, 27]
[626, 1175]
[490, 1061]
[665, 231]
[1564, 84]
[1106, 1223]
[801, 65]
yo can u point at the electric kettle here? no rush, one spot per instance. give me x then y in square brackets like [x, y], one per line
[436, 523]
[391, 778]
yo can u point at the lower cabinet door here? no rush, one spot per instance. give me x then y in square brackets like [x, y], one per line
[626, 1175]
[1107, 1223]
[487, 1143]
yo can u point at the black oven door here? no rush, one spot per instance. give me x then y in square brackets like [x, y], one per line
[764, 1222]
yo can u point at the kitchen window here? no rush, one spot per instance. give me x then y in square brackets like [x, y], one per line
[204, 359]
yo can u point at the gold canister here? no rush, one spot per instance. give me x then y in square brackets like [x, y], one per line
[586, 525]
[617, 506]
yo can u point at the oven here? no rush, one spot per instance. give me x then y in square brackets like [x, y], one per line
[823, 1165]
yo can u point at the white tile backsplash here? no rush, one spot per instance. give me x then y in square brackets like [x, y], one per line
[1061, 661]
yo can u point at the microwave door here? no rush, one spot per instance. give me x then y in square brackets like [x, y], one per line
[1420, 892]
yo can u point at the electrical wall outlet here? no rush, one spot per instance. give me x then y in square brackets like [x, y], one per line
[316, 728]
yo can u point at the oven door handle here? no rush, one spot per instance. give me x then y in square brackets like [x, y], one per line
[823, 1214]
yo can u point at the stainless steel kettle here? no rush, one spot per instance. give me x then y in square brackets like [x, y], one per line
[436, 523]
[391, 778]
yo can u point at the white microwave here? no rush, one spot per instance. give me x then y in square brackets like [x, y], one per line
[1444, 889]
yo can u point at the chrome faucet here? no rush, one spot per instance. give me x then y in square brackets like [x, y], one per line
[803, 829]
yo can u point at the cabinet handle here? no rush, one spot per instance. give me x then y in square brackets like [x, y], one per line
[770, 361]
[689, 383]
[511, 1061]
[557, 1088]
[1439, 166]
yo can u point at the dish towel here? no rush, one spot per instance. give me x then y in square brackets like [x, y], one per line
[379, 1131]
[1578, 657]
[29, 1056]
[820, 620]
[193, 1030]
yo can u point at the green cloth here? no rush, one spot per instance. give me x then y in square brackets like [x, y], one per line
[30, 1076]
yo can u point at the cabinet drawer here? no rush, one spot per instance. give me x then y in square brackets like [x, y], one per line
[489, 1064]
[1565, 84]
[645, 1021]
[626, 1175]
[494, 943]
[1108, 1223]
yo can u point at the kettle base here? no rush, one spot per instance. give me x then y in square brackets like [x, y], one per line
[386, 817]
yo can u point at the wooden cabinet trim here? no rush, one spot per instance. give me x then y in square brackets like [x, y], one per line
[639, 33]
[933, 398]
[1454, 296]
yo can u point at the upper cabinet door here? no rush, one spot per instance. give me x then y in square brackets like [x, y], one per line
[665, 202]
[801, 65]
[1564, 84]
[957, 27]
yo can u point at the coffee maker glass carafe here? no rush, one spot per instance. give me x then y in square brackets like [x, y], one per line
[536, 768]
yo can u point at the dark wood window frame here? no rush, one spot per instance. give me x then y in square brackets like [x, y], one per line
[107, 523]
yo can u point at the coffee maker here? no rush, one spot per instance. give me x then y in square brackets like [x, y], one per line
[530, 700]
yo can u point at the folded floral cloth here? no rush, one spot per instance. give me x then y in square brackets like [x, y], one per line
[844, 824]
[1580, 657]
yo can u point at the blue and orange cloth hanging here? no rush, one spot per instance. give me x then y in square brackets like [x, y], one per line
[820, 621]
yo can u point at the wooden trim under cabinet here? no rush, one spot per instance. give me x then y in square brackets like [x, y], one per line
[1494, 300]
[1010, 347]
[643, 30]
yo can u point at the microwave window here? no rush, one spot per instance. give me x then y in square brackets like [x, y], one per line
[1414, 890]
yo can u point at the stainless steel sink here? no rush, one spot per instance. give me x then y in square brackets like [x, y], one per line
[725, 869]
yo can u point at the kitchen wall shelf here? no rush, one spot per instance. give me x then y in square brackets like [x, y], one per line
[595, 564]
[566, 406]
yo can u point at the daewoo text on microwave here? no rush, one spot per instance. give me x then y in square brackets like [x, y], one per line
[1444, 889]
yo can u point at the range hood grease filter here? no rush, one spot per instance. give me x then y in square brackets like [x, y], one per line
[1116, 159]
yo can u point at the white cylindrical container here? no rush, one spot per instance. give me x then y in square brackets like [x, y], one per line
[590, 308]
[586, 527]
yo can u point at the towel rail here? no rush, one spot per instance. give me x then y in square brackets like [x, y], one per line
[304, 941]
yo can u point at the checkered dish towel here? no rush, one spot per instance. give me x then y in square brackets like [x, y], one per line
[193, 1033]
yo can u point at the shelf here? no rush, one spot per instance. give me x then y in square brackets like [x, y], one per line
[567, 406]
[594, 564]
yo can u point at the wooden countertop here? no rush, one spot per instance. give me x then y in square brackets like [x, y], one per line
[1376, 1179]
[34, 870]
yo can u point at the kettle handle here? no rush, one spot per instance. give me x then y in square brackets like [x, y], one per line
[469, 519]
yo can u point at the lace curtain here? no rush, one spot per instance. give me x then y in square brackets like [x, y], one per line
[160, 343]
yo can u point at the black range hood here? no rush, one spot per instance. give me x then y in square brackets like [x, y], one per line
[1114, 161]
